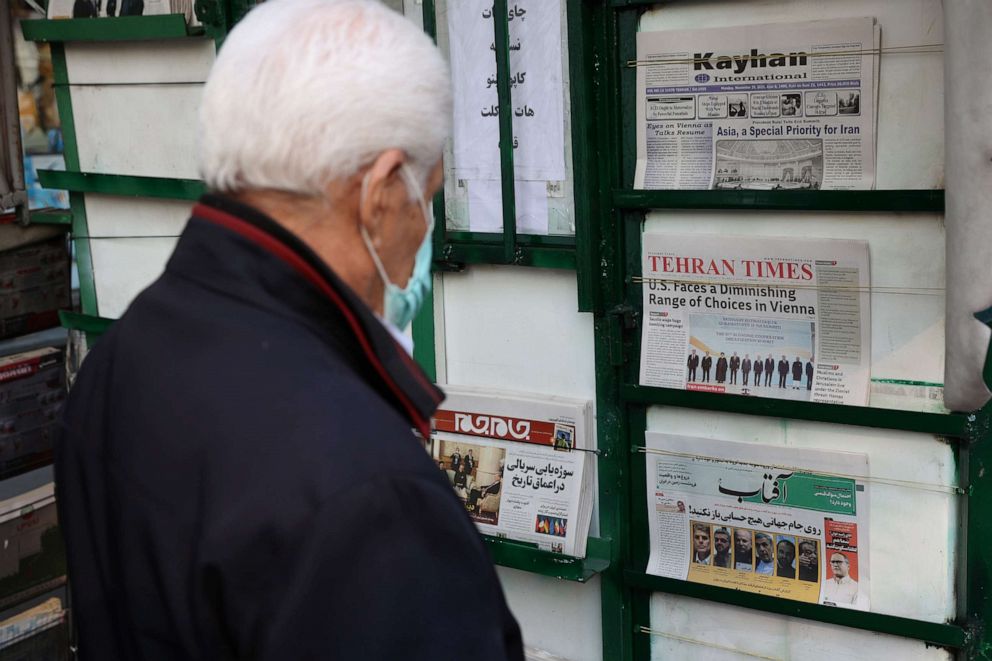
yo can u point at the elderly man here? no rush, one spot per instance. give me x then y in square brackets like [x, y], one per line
[840, 589]
[241, 473]
[764, 552]
[744, 546]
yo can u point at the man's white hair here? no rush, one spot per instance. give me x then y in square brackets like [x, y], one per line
[306, 92]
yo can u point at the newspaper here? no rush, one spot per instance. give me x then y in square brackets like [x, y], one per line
[764, 107]
[757, 316]
[17, 628]
[777, 521]
[517, 464]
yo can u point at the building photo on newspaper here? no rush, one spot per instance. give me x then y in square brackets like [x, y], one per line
[757, 316]
[520, 465]
[766, 107]
[778, 521]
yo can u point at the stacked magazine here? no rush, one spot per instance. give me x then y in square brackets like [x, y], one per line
[522, 465]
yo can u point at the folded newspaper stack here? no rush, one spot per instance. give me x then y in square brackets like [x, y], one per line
[520, 464]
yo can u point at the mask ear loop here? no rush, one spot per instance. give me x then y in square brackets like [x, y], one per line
[365, 236]
[414, 188]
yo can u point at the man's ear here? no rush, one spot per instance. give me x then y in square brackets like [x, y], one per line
[377, 181]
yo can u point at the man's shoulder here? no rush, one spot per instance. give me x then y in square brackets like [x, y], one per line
[253, 399]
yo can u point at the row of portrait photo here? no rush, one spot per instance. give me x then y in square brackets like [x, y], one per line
[742, 549]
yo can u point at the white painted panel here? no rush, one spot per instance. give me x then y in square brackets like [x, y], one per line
[910, 105]
[167, 61]
[122, 267]
[705, 631]
[561, 617]
[906, 252]
[913, 529]
[110, 215]
[144, 130]
[517, 329]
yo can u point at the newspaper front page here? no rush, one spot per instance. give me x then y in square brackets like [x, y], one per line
[519, 465]
[757, 316]
[777, 521]
[764, 107]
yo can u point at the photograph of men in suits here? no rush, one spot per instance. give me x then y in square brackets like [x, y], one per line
[743, 549]
[735, 364]
[769, 368]
[783, 371]
[692, 364]
[706, 365]
[701, 551]
[745, 368]
[809, 374]
[721, 368]
[759, 366]
[797, 373]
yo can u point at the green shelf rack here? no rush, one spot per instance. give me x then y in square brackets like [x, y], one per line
[118, 28]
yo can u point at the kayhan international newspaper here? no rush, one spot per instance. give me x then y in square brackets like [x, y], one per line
[765, 107]
[520, 465]
[757, 316]
[778, 521]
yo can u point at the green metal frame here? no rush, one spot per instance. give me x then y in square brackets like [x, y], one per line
[840, 200]
[454, 250]
[121, 28]
[608, 268]
[90, 325]
[527, 557]
[122, 185]
[217, 16]
[84, 258]
[51, 217]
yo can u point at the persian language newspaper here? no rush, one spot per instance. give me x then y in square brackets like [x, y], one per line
[521, 465]
[757, 316]
[764, 107]
[778, 521]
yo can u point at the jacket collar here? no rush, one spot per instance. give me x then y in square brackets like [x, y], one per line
[393, 369]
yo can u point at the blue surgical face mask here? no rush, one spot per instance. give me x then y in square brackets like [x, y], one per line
[400, 306]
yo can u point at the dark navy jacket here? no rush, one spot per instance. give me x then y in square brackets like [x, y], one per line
[238, 476]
